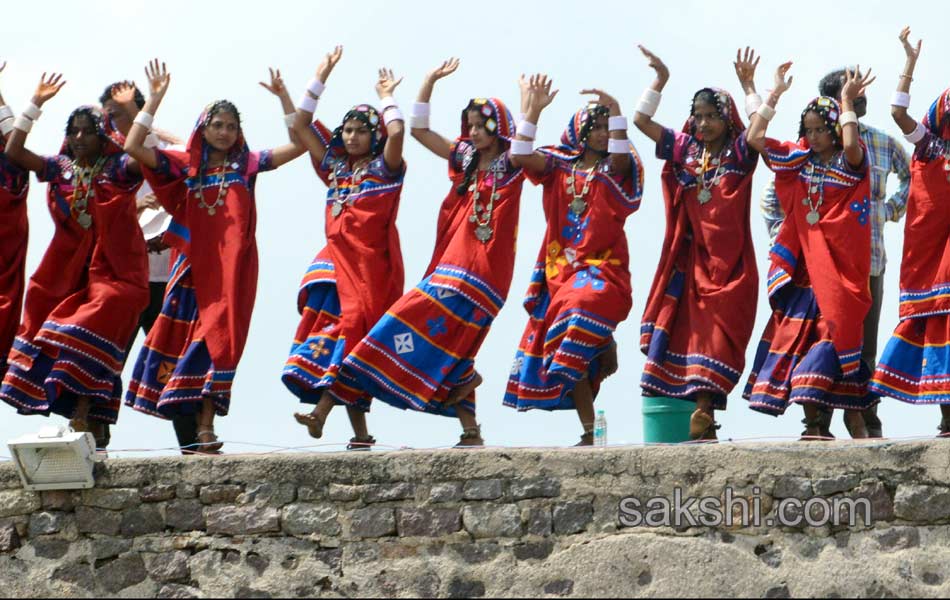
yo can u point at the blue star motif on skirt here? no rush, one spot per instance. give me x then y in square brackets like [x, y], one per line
[863, 208]
[436, 326]
[574, 232]
[589, 277]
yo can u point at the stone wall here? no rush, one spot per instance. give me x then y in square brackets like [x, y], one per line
[478, 523]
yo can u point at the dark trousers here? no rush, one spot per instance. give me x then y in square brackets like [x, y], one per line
[868, 354]
[186, 426]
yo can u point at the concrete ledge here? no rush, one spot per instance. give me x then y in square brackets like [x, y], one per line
[490, 523]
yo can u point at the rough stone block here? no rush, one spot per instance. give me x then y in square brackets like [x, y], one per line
[271, 494]
[427, 522]
[922, 503]
[372, 522]
[219, 494]
[9, 538]
[185, 515]
[47, 522]
[534, 550]
[49, 548]
[176, 590]
[186, 490]
[834, 485]
[110, 547]
[241, 520]
[466, 588]
[123, 572]
[793, 487]
[572, 517]
[18, 502]
[310, 494]
[303, 519]
[523, 489]
[168, 567]
[559, 587]
[537, 520]
[60, 499]
[488, 521]
[343, 493]
[386, 492]
[449, 491]
[142, 520]
[98, 520]
[482, 489]
[113, 499]
[157, 493]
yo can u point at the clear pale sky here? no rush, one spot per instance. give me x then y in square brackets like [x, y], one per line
[216, 50]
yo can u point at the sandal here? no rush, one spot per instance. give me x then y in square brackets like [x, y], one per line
[702, 426]
[471, 437]
[312, 422]
[100, 431]
[814, 432]
[944, 429]
[208, 442]
[358, 444]
[587, 438]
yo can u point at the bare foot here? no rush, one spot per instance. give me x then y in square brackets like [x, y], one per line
[312, 422]
[463, 391]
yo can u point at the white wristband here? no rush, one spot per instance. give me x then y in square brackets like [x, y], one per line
[144, 119]
[23, 123]
[392, 113]
[151, 141]
[617, 123]
[5, 113]
[307, 104]
[917, 135]
[522, 147]
[289, 119]
[752, 104]
[316, 87]
[649, 102]
[765, 111]
[527, 129]
[848, 117]
[32, 112]
[6, 126]
[901, 99]
[418, 122]
[386, 102]
[420, 109]
[618, 146]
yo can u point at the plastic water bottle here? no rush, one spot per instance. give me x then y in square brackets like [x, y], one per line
[600, 429]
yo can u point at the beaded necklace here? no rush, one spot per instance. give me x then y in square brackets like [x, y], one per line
[340, 199]
[84, 177]
[705, 194]
[578, 204]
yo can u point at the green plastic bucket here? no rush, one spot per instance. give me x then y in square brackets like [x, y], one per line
[666, 420]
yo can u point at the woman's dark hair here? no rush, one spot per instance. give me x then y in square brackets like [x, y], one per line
[220, 106]
[107, 94]
[470, 169]
[91, 113]
[831, 84]
[706, 96]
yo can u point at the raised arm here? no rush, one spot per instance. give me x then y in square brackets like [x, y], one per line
[283, 154]
[902, 97]
[619, 146]
[308, 104]
[135, 143]
[123, 94]
[539, 96]
[854, 85]
[15, 149]
[643, 118]
[755, 134]
[745, 64]
[392, 119]
[419, 124]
